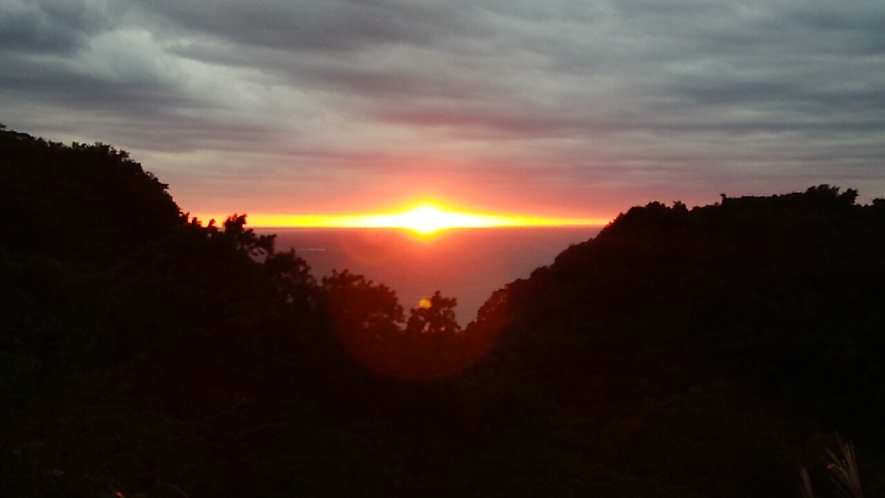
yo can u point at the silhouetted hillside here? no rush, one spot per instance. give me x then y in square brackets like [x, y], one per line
[81, 202]
[731, 329]
[681, 353]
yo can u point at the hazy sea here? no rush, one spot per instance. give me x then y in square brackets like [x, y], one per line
[467, 264]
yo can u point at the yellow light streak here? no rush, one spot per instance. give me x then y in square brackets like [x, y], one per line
[423, 218]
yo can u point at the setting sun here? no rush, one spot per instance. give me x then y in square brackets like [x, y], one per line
[423, 218]
[427, 218]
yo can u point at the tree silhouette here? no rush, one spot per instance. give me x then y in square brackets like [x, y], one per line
[434, 315]
[681, 353]
[360, 306]
[81, 202]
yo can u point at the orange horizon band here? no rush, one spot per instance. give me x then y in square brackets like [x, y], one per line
[424, 218]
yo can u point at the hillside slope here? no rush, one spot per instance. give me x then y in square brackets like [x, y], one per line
[710, 342]
[705, 352]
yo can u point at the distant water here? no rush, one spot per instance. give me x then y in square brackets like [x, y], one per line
[467, 264]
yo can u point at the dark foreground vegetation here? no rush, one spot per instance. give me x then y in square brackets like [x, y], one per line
[705, 352]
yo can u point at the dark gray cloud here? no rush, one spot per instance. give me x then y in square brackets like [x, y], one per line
[47, 26]
[332, 25]
[618, 100]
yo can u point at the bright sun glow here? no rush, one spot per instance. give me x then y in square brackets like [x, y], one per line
[427, 218]
[423, 219]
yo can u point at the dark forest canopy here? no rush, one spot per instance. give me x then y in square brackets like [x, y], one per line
[84, 202]
[709, 351]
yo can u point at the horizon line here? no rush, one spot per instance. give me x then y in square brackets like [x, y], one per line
[424, 218]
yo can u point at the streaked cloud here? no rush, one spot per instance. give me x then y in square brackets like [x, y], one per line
[564, 106]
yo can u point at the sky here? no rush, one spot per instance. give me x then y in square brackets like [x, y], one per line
[541, 108]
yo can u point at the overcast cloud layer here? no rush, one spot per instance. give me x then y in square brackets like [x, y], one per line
[555, 107]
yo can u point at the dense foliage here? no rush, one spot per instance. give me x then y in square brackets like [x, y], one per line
[681, 353]
[707, 346]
